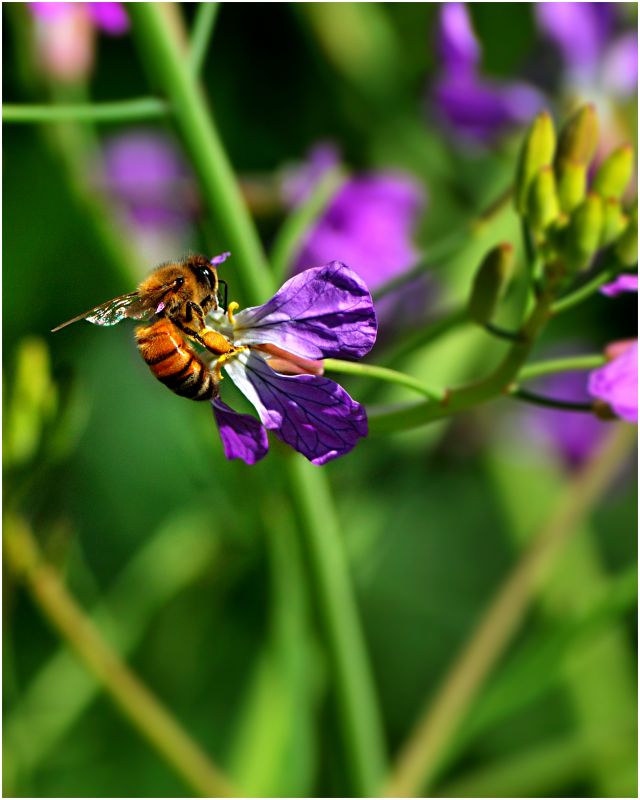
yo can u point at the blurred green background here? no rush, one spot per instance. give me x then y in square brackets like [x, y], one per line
[130, 497]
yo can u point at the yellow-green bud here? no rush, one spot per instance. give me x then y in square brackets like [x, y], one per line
[626, 248]
[542, 204]
[572, 184]
[490, 283]
[614, 221]
[584, 231]
[614, 174]
[537, 151]
[579, 137]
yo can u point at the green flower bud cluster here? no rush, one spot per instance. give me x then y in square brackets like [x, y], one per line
[570, 220]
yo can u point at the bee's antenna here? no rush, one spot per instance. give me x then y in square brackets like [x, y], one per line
[226, 292]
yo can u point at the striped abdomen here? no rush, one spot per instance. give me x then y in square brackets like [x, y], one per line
[173, 362]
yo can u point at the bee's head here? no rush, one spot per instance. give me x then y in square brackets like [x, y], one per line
[204, 272]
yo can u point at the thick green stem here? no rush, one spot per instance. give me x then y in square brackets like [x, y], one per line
[169, 67]
[136, 702]
[354, 683]
[358, 709]
[115, 112]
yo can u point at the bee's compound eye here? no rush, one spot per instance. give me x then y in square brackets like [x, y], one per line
[207, 275]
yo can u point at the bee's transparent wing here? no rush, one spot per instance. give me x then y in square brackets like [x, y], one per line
[127, 306]
[130, 305]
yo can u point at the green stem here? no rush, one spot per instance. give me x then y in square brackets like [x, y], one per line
[568, 364]
[290, 237]
[169, 67]
[550, 402]
[419, 757]
[354, 684]
[202, 31]
[358, 708]
[381, 374]
[116, 111]
[465, 397]
[136, 702]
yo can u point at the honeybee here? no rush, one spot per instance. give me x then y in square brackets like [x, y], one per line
[177, 296]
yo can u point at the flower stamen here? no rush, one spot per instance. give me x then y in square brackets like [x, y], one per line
[231, 309]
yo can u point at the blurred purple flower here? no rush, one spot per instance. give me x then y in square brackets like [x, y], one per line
[321, 313]
[369, 224]
[474, 107]
[573, 435]
[617, 382]
[65, 35]
[595, 59]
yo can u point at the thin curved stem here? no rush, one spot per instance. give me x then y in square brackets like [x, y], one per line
[464, 397]
[136, 702]
[201, 34]
[419, 758]
[114, 112]
[382, 374]
[568, 364]
[586, 291]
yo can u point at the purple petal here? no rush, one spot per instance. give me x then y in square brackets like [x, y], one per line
[217, 260]
[368, 225]
[617, 384]
[457, 43]
[310, 413]
[111, 18]
[242, 435]
[620, 66]
[49, 11]
[479, 109]
[623, 283]
[320, 313]
[580, 31]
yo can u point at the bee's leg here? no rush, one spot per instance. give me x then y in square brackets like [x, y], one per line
[195, 314]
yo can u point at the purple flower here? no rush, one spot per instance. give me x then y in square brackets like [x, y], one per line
[321, 313]
[623, 283]
[594, 58]
[617, 383]
[144, 173]
[473, 106]
[368, 224]
[65, 35]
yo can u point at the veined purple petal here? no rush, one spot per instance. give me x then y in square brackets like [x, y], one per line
[242, 435]
[623, 283]
[320, 313]
[457, 43]
[617, 384]
[310, 413]
[480, 109]
[580, 31]
[111, 18]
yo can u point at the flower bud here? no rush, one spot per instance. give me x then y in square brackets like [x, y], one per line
[614, 221]
[537, 151]
[614, 173]
[490, 283]
[583, 233]
[627, 246]
[579, 137]
[542, 203]
[572, 184]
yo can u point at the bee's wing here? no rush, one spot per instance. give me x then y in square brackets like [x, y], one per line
[127, 306]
